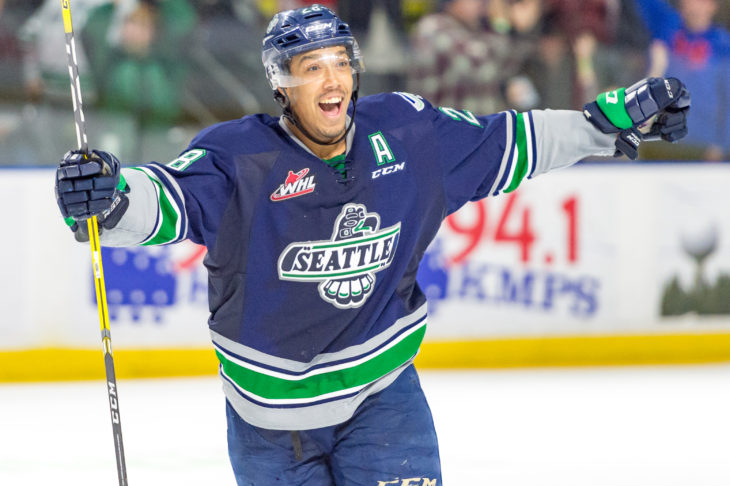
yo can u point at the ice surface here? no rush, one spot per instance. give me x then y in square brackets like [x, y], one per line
[648, 426]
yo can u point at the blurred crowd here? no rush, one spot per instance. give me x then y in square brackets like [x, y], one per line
[153, 72]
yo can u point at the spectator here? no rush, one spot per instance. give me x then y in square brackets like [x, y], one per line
[689, 45]
[589, 46]
[12, 14]
[45, 67]
[38, 127]
[136, 53]
[469, 54]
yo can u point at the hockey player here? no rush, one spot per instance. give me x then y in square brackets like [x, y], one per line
[315, 223]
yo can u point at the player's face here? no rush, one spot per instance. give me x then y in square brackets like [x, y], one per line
[320, 102]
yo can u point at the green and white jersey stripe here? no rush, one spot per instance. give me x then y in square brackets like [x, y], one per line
[520, 144]
[170, 216]
[539, 141]
[505, 163]
[279, 393]
[283, 388]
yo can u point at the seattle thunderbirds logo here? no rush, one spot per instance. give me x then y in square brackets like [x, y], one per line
[345, 265]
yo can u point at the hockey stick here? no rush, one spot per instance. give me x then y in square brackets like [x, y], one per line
[93, 228]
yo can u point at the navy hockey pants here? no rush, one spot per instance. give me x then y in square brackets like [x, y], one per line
[390, 441]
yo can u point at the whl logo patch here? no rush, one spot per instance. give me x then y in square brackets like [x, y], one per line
[345, 265]
[296, 184]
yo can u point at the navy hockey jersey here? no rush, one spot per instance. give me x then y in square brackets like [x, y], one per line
[313, 297]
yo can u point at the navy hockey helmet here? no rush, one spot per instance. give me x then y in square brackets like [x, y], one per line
[295, 31]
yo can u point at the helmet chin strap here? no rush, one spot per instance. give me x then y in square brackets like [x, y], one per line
[283, 99]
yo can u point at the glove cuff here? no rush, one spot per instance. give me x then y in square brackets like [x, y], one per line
[613, 105]
[116, 211]
[594, 115]
[627, 143]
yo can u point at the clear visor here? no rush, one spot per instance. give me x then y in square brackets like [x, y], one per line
[313, 65]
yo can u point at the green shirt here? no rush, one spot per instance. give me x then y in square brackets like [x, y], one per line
[338, 163]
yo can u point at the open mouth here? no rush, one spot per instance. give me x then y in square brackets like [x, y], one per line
[331, 106]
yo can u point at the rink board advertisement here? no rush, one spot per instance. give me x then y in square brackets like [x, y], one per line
[590, 250]
[598, 252]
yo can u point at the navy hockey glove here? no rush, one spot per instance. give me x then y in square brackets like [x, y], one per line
[623, 111]
[90, 185]
[671, 125]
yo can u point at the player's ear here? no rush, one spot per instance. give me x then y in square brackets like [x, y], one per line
[281, 97]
